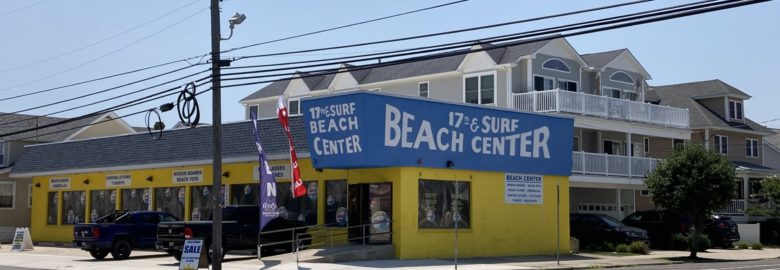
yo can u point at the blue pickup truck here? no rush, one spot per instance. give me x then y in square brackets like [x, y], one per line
[119, 233]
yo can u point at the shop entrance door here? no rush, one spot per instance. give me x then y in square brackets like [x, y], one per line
[370, 205]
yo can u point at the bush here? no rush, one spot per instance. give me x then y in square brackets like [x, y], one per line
[603, 246]
[639, 247]
[742, 245]
[757, 246]
[678, 242]
[622, 248]
[704, 242]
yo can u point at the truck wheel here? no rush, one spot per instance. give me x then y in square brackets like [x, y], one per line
[98, 254]
[121, 250]
[177, 255]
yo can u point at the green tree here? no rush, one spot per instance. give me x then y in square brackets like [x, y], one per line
[693, 181]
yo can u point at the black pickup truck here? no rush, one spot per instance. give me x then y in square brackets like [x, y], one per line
[240, 227]
[119, 233]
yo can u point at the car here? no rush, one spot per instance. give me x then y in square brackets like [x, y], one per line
[722, 231]
[119, 233]
[660, 225]
[597, 228]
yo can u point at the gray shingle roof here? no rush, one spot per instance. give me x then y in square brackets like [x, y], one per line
[684, 96]
[406, 70]
[773, 139]
[180, 145]
[601, 59]
[58, 133]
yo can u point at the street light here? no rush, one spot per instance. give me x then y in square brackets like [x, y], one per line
[216, 229]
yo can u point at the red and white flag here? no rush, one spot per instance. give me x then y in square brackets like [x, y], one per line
[297, 185]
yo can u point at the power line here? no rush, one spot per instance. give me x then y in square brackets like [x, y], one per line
[97, 42]
[23, 8]
[104, 55]
[684, 11]
[343, 26]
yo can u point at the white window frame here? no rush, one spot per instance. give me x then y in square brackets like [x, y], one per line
[621, 148]
[249, 112]
[428, 89]
[733, 104]
[553, 79]
[13, 194]
[558, 84]
[611, 89]
[749, 145]
[633, 81]
[644, 193]
[719, 143]
[558, 70]
[479, 87]
[289, 103]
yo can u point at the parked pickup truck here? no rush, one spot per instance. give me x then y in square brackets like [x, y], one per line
[239, 231]
[119, 233]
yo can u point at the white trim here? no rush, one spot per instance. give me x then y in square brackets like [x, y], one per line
[621, 143]
[559, 60]
[644, 195]
[427, 89]
[558, 85]
[533, 82]
[114, 117]
[719, 139]
[529, 76]
[376, 89]
[741, 112]
[13, 195]
[289, 102]
[733, 130]
[633, 59]
[479, 76]
[749, 141]
[633, 82]
[508, 87]
[430, 77]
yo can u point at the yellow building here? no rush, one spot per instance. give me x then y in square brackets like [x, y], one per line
[502, 187]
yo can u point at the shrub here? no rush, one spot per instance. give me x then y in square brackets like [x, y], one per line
[678, 242]
[757, 246]
[639, 247]
[742, 245]
[622, 248]
[704, 242]
[603, 246]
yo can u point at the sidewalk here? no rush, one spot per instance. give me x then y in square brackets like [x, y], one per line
[61, 257]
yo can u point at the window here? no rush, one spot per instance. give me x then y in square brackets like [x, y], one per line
[612, 92]
[294, 107]
[170, 200]
[136, 199]
[73, 206]
[678, 144]
[51, 213]
[2, 154]
[644, 192]
[253, 109]
[336, 203]
[543, 83]
[567, 85]
[201, 203]
[735, 110]
[441, 206]
[722, 144]
[557, 65]
[647, 145]
[303, 208]
[612, 147]
[7, 194]
[246, 194]
[621, 76]
[576, 144]
[102, 202]
[423, 89]
[751, 147]
[480, 89]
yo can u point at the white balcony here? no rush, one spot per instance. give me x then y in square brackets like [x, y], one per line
[734, 207]
[612, 165]
[602, 106]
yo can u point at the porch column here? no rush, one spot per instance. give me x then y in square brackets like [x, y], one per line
[619, 204]
[745, 191]
[629, 153]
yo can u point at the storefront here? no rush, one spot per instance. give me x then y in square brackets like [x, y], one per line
[413, 169]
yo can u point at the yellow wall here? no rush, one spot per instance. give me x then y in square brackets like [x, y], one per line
[497, 228]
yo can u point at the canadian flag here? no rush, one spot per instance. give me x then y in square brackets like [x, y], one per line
[297, 184]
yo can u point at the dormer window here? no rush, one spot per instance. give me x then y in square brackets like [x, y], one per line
[621, 76]
[735, 110]
[557, 65]
[253, 109]
[294, 107]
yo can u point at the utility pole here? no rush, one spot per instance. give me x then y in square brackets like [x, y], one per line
[216, 233]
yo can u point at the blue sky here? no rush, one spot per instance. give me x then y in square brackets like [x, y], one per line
[51, 43]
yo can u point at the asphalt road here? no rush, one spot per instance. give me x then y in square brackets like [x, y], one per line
[773, 264]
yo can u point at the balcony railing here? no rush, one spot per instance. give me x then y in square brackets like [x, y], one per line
[611, 165]
[602, 106]
[734, 207]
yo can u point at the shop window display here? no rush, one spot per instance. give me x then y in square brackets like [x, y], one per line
[381, 206]
[336, 203]
[73, 206]
[440, 208]
[201, 203]
[136, 199]
[51, 218]
[244, 194]
[302, 208]
[170, 200]
[102, 202]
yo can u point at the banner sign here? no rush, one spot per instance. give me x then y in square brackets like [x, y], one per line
[188, 176]
[523, 189]
[118, 180]
[59, 183]
[192, 256]
[369, 129]
[279, 171]
[22, 240]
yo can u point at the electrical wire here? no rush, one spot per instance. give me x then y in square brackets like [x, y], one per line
[99, 41]
[104, 55]
[23, 8]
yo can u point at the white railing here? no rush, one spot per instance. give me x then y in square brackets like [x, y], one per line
[734, 207]
[602, 106]
[611, 165]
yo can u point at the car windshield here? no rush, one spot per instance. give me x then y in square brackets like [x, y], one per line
[612, 221]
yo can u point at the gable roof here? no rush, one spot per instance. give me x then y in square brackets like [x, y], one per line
[501, 55]
[178, 145]
[49, 134]
[773, 139]
[601, 59]
[685, 96]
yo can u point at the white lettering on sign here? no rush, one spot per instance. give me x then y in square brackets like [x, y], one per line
[500, 136]
[279, 172]
[188, 176]
[118, 180]
[334, 118]
[523, 189]
[59, 183]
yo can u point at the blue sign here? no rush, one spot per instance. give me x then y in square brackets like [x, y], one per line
[369, 129]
